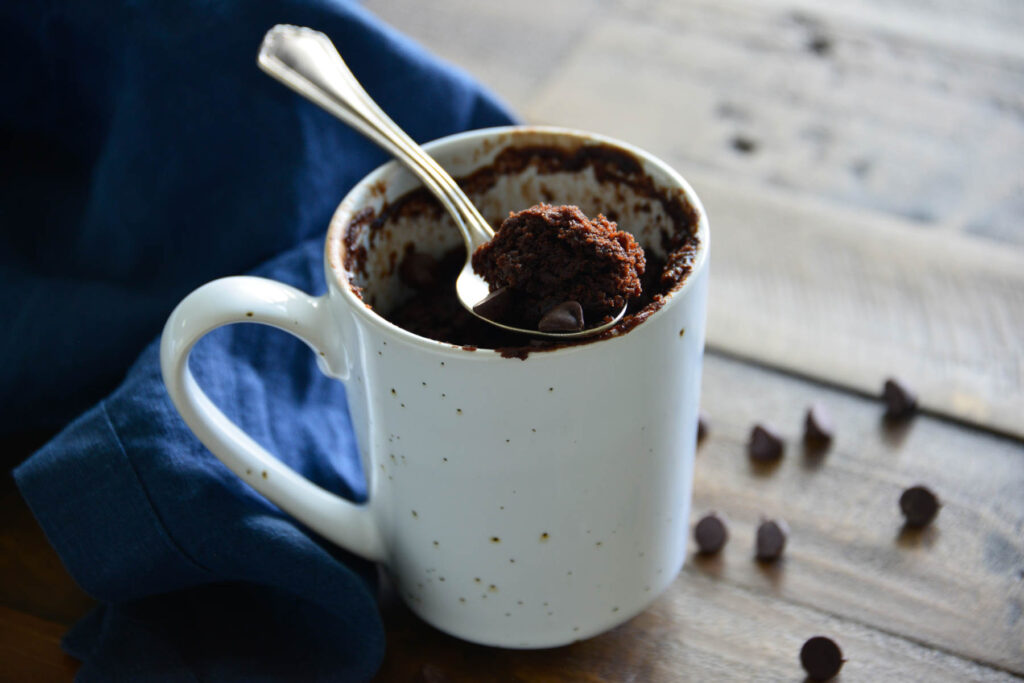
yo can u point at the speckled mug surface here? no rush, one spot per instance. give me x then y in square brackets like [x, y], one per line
[516, 501]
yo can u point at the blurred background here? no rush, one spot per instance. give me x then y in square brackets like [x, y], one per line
[861, 165]
[861, 162]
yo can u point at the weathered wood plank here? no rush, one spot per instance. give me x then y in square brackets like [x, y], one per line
[852, 298]
[852, 111]
[701, 629]
[30, 649]
[913, 108]
[509, 46]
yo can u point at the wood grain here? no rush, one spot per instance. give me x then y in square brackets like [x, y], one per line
[30, 649]
[957, 586]
[512, 48]
[32, 578]
[701, 629]
[852, 297]
[914, 108]
[850, 104]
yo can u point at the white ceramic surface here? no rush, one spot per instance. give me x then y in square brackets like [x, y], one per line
[519, 503]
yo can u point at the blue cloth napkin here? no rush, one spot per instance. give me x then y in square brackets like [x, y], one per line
[144, 154]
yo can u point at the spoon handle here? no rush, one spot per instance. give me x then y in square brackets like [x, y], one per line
[307, 62]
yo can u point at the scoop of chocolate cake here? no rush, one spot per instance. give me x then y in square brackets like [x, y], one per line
[551, 256]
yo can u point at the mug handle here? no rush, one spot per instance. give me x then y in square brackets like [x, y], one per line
[247, 299]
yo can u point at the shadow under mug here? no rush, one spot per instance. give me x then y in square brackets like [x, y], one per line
[515, 502]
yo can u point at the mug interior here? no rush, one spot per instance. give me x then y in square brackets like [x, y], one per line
[504, 170]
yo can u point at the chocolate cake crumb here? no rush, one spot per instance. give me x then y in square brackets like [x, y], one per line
[548, 255]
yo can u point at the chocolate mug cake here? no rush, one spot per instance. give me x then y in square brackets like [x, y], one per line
[640, 260]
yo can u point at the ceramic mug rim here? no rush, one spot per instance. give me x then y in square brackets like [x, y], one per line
[334, 255]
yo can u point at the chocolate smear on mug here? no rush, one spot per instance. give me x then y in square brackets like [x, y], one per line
[418, 270]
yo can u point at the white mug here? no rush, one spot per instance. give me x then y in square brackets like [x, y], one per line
[517, 503]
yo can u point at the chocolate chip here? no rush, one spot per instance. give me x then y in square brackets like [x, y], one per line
[495, 305]
[418, 270]
[818, 426]
[765, 444]
[710, 533]
[771, 539]
[821, 658]
[900, 402]
[565, 317]
[919, 505]
[703, 425]
[431, 674]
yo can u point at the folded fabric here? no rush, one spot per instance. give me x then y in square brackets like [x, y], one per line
[150, 156]
[137, 508]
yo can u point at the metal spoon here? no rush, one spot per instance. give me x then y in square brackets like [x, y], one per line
[307, 62]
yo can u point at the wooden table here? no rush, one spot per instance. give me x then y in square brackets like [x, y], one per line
[860, 162]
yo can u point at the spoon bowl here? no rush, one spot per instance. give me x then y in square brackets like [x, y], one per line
[307, 62]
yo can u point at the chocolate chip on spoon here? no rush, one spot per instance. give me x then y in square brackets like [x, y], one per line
[565, 317]
[919, 506]
[900, 401]
[771, 539]
[765, 444]
[821, 658]
[710, 533]
[818, 426]
[495, 305]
